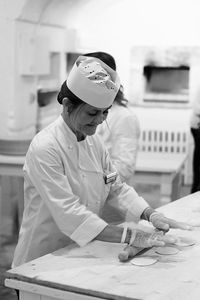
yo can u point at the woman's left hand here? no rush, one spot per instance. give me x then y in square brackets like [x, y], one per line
[163, 223]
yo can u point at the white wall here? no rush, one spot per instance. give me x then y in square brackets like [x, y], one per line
[7, 38]
[20, 63]
[117, 26]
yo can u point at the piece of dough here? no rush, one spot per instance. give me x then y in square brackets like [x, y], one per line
[166, 250]
[143, 261]
[194, 223]
[185, 242]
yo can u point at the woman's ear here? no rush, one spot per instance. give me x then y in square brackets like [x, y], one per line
[67, 105]
[64, 101]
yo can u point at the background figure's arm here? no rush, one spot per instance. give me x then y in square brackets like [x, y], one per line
[125, 147]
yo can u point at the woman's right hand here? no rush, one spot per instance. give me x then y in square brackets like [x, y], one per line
[142, 239]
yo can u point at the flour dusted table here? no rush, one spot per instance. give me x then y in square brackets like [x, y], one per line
[94, 272]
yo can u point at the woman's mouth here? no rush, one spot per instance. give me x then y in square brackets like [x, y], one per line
[92, 125]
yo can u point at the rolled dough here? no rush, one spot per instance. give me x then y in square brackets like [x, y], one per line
[185, 242]
[143, 261]
[166, 250]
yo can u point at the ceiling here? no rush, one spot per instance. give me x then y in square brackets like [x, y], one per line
[59, 12]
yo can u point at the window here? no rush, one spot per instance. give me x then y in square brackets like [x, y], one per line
[166, 84]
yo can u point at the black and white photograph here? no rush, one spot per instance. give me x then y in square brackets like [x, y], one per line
[99, 149]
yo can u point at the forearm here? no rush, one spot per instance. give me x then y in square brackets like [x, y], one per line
[133, 237]
[113, 234]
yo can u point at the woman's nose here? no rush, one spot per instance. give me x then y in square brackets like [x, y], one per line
[100, 118]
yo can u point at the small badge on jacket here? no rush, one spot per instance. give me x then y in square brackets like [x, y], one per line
[110, 178]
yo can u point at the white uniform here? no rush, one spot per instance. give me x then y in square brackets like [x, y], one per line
[65, 192]
[121, 137]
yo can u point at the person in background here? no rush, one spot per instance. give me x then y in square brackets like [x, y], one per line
[195, 130]
[68, 175]
[121, 131]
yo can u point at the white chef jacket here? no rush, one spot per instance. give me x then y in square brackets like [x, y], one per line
[64, 192]
[121, 133]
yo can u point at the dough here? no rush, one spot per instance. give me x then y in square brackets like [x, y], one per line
[143, 261]
[166, 250]
[185, 242]
[194, 223]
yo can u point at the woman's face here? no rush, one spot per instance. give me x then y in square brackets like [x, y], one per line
[85, 118]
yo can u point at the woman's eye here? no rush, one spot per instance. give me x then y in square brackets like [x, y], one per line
[95, 114]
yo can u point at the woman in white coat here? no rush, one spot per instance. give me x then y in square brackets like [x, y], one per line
[68, 174]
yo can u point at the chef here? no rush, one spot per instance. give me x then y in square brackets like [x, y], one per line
[68, 175]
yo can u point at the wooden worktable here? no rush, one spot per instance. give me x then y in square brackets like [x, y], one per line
[94, 271]
[10, 167]
[163, 169]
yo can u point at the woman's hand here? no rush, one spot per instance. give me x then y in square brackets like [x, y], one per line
[142, 239]
[163, 223]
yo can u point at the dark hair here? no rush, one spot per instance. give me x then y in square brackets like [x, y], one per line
[66, 93]
[120, 99]
[105, 57]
